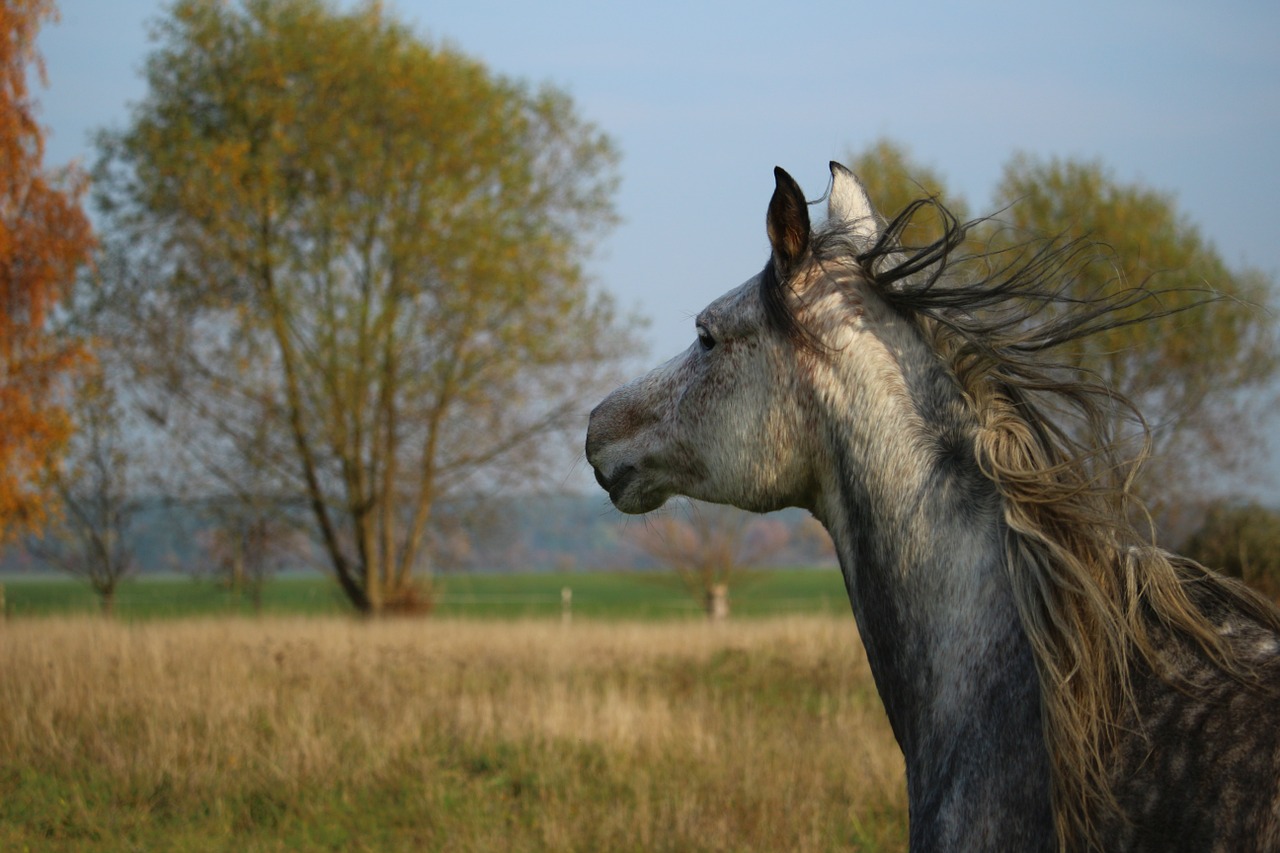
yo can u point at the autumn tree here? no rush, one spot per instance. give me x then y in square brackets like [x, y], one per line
[353, 269]
[710, 547]
[44, 238]
[1196, 374]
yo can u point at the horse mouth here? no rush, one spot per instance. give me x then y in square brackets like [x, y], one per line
[623, 492]
[616, 484]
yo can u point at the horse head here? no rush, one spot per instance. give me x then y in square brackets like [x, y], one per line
[735, 418]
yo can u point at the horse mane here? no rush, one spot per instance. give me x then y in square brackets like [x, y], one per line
[1095, 595]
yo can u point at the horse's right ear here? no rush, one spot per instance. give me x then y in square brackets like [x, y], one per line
[787, 223]
[849, 204]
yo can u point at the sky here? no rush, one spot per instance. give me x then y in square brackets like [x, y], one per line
[704, 98]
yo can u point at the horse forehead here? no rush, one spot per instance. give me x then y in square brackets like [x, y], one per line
[740, 302]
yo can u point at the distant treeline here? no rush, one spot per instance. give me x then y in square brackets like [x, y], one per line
[536, 532]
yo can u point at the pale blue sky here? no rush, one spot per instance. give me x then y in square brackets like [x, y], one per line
[704, 98]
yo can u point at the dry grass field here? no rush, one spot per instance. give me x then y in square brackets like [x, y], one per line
[333, 734]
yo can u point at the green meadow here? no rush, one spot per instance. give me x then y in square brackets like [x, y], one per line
[602, 595]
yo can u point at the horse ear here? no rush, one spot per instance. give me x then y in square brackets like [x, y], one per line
[787, 223]
[849, 204]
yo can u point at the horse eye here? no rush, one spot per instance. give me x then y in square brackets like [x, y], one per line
[704, 338]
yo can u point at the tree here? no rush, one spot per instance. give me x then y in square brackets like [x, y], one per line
[710, 548]
[247, 543]
[90, 535]
[352, 269]
[1197, 375]
[1189, 370]
[44, 238]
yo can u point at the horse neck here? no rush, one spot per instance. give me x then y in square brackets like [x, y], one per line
[919, 535]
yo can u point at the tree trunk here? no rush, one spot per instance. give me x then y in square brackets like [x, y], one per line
[107, 598]
[237, 571]
[374, 587]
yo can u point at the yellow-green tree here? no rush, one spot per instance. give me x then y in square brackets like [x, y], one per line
[347, 266]
[1193, 373]
[1197, 375]
[894, 179]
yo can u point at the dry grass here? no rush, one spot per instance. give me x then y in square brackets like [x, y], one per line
[443, 735]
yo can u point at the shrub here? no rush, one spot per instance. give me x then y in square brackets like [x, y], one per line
[1243, 541]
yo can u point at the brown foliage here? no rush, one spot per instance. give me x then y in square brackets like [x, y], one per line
[1242, 541]
[44, 237]
[710, 547]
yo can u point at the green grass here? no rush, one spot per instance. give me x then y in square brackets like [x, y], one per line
[602, 595]
[169, 597]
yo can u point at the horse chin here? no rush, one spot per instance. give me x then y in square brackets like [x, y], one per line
[633, 508]
[630, 494]
[637, 502]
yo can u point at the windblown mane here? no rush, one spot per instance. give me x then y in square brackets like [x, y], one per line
[1096, 597]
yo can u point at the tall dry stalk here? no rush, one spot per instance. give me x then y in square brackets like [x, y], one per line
[666, 736]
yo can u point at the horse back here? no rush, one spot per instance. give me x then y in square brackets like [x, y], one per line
[1199, 765]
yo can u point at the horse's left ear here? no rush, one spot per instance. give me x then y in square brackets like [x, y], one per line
[787, 223]
[850, 205]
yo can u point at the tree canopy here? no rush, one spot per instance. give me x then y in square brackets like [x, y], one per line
[894, 179]
[44, 238]
[1185, 369]
[1195, 374]
[348, 266]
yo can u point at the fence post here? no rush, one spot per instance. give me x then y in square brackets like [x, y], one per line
[718, 602]
[566, 605]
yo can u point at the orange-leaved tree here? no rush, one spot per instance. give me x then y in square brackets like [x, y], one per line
[44, 237]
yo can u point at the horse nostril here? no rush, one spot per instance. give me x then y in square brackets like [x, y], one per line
[600, 478]
[594, 441]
